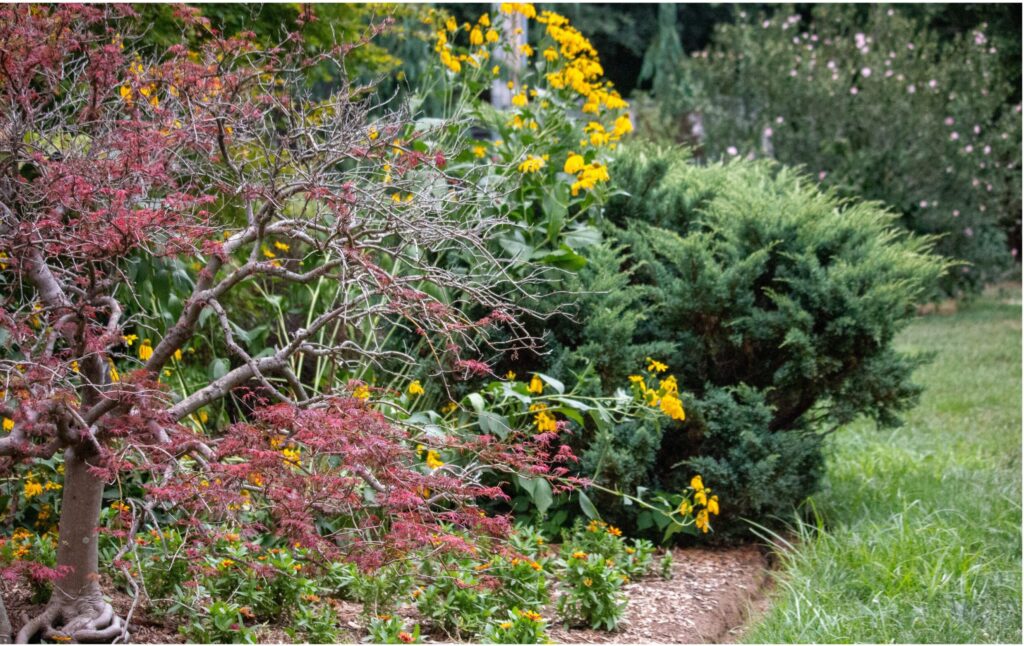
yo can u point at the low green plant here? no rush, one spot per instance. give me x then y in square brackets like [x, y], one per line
[220, 622]
[591, 591]
[520, 627]
[386, 629]
[314, 623]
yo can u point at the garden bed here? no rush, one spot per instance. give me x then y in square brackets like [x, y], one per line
[707, 600]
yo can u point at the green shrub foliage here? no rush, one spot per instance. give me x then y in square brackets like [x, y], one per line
[774, 302]
[875, 105]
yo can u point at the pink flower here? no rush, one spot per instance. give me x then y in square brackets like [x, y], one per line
[766, 24]
[779, 120]
[968, 232]
[950, 121]
[977, 129]
[968, 148]
[767, 132]
[865, 72]
[1013, 252]
[987, 150]
[924, 204]
[956, 213]
[854, 90]
[933, 84]
[859, 39]
[911, 88]
[888, 73]
[953, 136]
[792, 72]
[822, 175]
[732, 150]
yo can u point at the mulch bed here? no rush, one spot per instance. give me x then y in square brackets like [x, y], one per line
[708, 600]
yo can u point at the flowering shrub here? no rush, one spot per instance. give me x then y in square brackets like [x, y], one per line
[560, 130]
[775, 306]
[877, 107]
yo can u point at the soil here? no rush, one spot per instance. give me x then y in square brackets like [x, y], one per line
[709, 599]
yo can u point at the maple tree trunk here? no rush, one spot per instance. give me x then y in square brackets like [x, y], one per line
[77, 608]
[79, 524]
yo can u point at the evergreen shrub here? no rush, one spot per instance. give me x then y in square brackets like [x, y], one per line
[774, 302]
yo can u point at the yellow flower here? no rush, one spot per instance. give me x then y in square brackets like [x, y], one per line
[505, 625]
[520, 100]
[449, 407]
[114, 377]
[589, 177]
[526, 50]
[669, 384]
[713, 505]
[479, 151]
[531, 164]
[415, 388]
[685, 507]
[476, 37]
[126, 94]
[551, 54]
[451, 24]
[701, 496]
[579, 555]
[587, 582]
[574, 163]
[614, 531]
[484, 20]
[492, 37]
[145, 350]
[655, 366]
[291, 456]
[496, 70]
[434, 460]
[373, 134]
[225, 564]
[510, 375]
[8, 424]
[697, 483]
[532, 616]
[267, 252]
[204, 416]
[129, 339]
[280, 246]
[702, 521]
[630, 550]
[622, 126]
[361, 392]
[673, 407]
[33, 489]
[546, 423]
[536, 385]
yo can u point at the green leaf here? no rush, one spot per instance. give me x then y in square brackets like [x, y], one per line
[477, 401]
[218, 368]
[554, 383]
[542, 497]
[582, 237]
[588, 507]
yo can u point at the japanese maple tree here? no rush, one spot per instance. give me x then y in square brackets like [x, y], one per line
[225, 159]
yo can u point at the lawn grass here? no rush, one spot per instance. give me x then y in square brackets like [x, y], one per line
[918, 532]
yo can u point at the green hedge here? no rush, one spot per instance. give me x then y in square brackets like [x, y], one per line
[773, 302]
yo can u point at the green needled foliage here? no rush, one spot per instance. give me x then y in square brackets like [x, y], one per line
[774, 302]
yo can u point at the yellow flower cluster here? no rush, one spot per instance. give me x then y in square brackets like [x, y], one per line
[434, 460]
[416, 388]
[666, 396]
[545, 421]
[531, 164]
[708, 503]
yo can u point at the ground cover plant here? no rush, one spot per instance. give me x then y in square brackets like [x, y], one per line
[834, 90]
[918, 531]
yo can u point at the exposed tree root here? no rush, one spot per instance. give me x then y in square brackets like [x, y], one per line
[85, 620]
